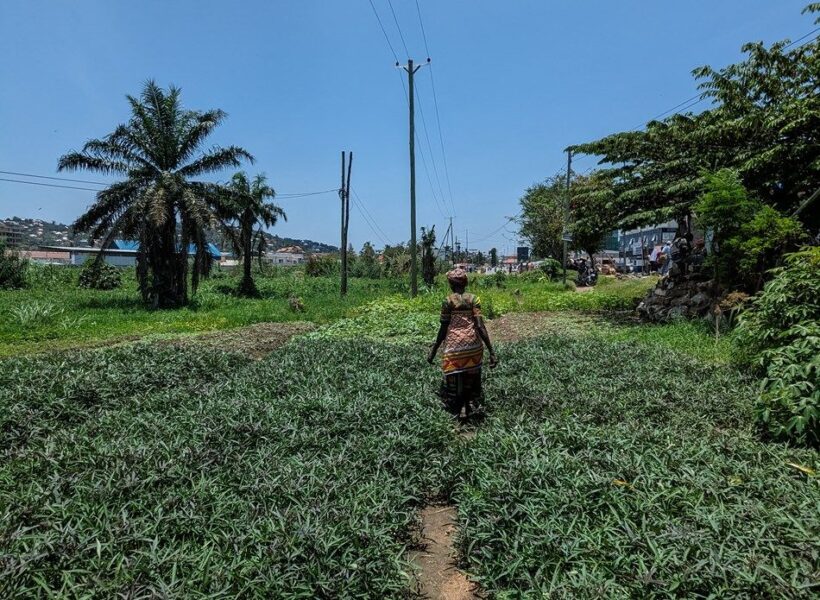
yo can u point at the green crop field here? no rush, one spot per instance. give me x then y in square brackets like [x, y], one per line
[54, 313]
[611, 463]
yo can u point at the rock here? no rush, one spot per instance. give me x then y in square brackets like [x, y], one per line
[676, 298]
[677, 312]
[700, 300]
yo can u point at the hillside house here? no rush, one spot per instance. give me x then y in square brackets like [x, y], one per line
[287, 256]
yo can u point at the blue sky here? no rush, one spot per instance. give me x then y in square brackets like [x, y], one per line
[517, 81]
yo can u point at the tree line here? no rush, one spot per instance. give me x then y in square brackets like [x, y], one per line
[757, 147]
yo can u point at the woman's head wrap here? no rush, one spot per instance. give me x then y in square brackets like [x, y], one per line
[457, 277]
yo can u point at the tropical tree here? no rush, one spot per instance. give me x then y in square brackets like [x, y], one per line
[493, 257]
[157, 153]
[542, 219]
[249, 201]
[763, 123]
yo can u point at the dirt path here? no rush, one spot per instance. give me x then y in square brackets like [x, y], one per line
[257, 341]
[514, 327]
[439, 578]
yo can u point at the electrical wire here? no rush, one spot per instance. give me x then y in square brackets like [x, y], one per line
[395, 20]
[381, 26]
[51, 185]
[54, 178]
[438, 117]
[374, 226]
[435, 170]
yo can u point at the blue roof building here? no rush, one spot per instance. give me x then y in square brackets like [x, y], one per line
[134, 245]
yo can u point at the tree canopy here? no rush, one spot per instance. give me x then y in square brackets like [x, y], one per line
[763, 123]
[157, 153]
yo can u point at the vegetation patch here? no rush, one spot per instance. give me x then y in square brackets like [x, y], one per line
[594, 478]
[153, 472]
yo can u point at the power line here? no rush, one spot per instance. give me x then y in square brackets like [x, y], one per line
[374, 226]
[700, 97]
[490, 235]
[303, 194]
[438, 117]
[406, 51]
[435, 170]
[52, 185]
[386, 38]
[54, 178]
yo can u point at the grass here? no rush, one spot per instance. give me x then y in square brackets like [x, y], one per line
[590, 480]
[54, 313]
[145, 470]
[183, 474]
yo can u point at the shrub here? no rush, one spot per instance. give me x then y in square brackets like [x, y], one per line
[321, 266]
[12, 269]
[99, 275]
[780, 335]
[35, 313]
[551, 268]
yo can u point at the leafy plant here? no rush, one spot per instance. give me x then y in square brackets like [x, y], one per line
[99, 275]
[749, 237]
[12, 269]
[321, 266]
[780, 335]
[551, 268]
[35, 313]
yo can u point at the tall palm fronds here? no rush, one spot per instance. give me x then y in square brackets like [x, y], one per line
[157, 153]
[249, 202]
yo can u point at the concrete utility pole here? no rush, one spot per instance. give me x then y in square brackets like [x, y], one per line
[414, 267]
[566, 212]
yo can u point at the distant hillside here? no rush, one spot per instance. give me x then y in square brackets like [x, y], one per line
[36, 232]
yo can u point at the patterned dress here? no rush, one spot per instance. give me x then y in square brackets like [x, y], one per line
[463, 351]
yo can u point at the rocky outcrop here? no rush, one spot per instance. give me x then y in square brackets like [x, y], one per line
[687, 297]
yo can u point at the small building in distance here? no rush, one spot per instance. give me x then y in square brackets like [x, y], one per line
[287, 256]
[122, 253]
[47, 257]
[10, 235]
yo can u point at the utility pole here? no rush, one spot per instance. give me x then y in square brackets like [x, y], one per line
[566, 212]
[414, 267]
[467, 245]
[344, 196]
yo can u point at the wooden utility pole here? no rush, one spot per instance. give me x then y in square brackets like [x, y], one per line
[414, 267]
[344, 196]
[566, 212]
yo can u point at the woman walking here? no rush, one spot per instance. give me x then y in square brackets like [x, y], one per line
[464, 335]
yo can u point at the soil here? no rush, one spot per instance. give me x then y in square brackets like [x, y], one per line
[514, 327]
[256, 341]
[439, 578]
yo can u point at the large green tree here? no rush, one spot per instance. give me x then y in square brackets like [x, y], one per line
[249, 199]
[763, 122]
[542, 220]
[157, 153]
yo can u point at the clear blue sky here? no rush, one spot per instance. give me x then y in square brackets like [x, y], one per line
[517, 82]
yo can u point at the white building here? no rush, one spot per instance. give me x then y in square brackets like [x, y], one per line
[288, 256]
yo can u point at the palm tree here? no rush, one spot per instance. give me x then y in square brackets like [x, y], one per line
[250, 206]
[157, 152]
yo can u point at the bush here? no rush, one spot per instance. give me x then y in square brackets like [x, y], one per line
[12, 269]
[780, 335]
[322, 266]
[99, 275]
[551, 268]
